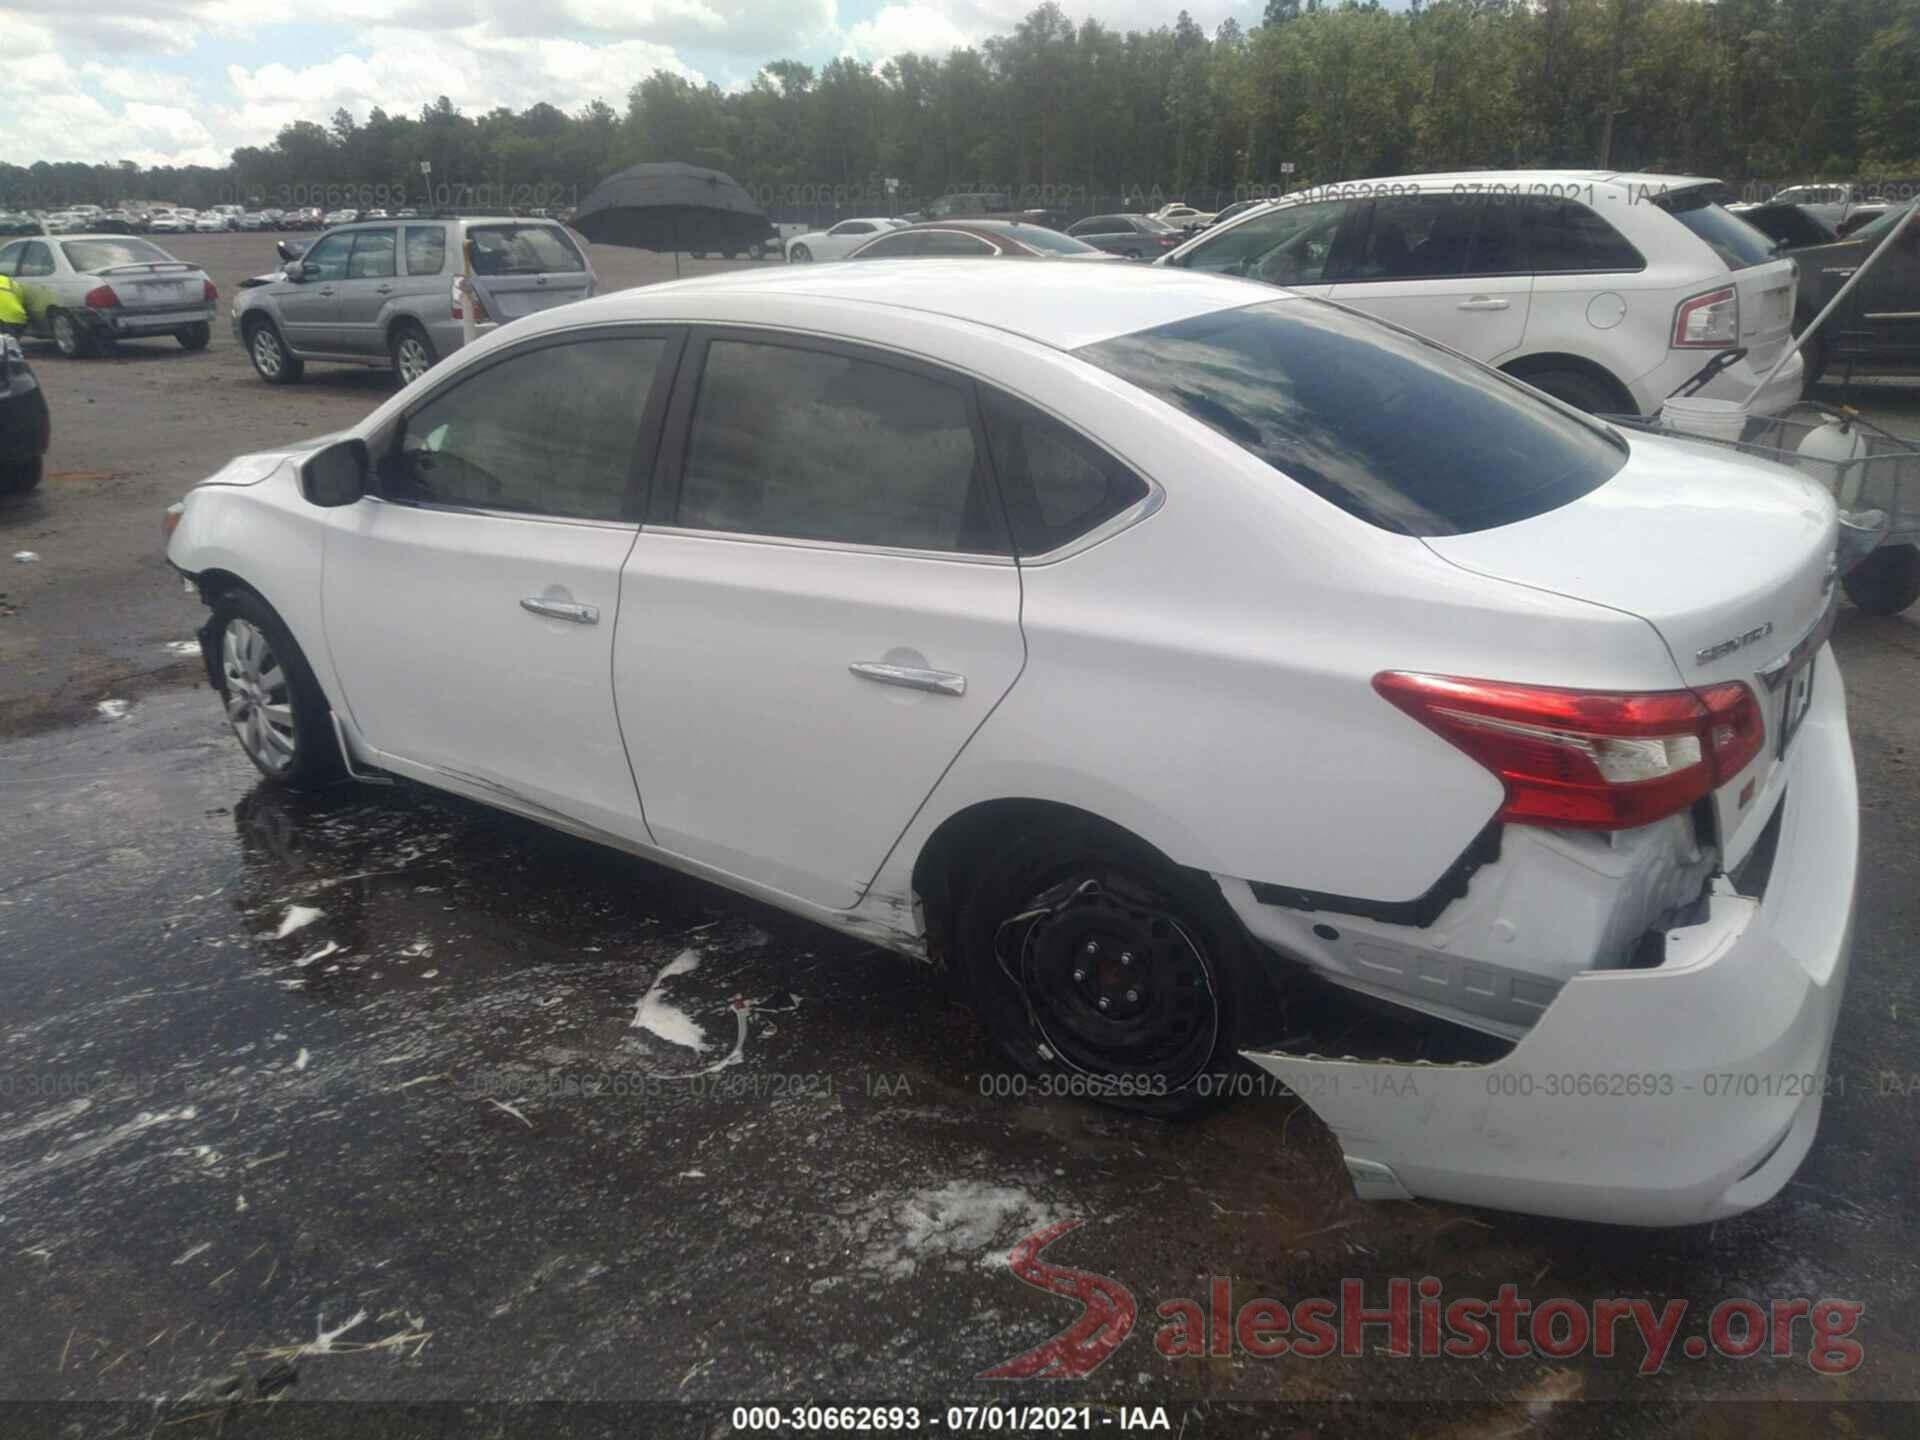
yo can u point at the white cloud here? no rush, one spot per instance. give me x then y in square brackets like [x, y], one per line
[895, 29]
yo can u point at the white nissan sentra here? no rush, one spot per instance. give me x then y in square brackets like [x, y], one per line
[1166, 654]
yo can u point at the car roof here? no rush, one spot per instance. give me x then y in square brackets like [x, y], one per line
[1063, 306]
[1635, 180]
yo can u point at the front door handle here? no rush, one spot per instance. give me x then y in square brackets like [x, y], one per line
[383, 289]
[1483, 302]
[326, 289]
[940, 682]
[562, 610]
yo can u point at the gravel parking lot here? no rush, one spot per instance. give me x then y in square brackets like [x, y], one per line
[348, 1098]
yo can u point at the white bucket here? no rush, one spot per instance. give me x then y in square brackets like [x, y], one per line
[1709, 419]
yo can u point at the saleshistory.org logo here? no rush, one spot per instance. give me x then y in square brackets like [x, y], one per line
[1415, 1319]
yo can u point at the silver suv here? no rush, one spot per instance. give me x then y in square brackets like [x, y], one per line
[384, 292]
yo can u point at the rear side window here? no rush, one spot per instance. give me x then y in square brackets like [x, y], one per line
[372, 256]
[1057, 486]
[523, 250]
[1564, 236]
[1385, 425]
[1737, 243]
[426, 249]
[549, 431]
[953, 242]
[817, 445]
[889, 247]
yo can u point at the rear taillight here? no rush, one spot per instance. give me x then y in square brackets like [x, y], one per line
[101, 297]
[1588, 759]
[207, 292]
[453, 299]
[1706, 322]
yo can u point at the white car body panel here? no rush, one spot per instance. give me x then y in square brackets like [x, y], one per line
[1223, 713]
[842, 238]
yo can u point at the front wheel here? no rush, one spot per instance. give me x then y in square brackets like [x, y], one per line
[1887, 581]
[277, 710]
[1582, 392]
[1100, 970]
[194, 337]
[17, 477]
[800, 255]
[757, 251]
[269, 354]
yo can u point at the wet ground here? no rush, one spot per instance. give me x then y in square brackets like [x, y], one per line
[383, 1097]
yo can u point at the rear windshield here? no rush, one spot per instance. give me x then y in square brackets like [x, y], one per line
[523, 250]
[103, 254]
[1387, 426]
[1737, 243]
[1876, 230]
[1041, 238]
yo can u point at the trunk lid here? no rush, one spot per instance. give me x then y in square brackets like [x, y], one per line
[1728, 558]
[1766, 310]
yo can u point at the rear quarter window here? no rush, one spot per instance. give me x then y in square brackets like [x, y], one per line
[1387, 426]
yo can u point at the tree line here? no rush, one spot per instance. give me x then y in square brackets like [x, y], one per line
[1061, 114]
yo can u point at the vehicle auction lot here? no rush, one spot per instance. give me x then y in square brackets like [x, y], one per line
[391, 1062]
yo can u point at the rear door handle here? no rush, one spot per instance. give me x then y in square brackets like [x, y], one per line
[939, 682]
[562, 610]
[1483, 302]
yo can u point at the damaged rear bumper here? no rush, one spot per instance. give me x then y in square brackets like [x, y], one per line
[1670, 1095]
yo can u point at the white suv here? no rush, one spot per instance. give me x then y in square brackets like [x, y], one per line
[1607, 291]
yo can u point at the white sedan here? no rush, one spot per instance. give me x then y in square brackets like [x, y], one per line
[1142, 645]
[840, 240]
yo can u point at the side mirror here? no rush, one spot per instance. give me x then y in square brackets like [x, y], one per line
[336, 475]
[289, 251]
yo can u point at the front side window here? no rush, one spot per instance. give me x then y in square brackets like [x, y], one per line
[426, 247]
[327, 260]
[36, 259]
[1099, 225]
[1038, 237]
[1415, 237]
[372, 257]
[851, 227]
[550, 431]
[1288, 246]
[817, 445]
[1565, 237]
[1387, 426]
[1057, 485]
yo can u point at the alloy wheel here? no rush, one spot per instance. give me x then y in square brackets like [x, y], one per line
[266, 352]
[66, 335]
[259, 704]
[413, 359]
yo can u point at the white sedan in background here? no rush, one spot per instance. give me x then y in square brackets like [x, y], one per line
[1142, 644]
[840, 240]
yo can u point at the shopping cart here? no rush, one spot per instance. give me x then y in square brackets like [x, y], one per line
[1873, 476]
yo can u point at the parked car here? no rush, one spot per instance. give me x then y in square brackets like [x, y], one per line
[384, 292]
[1878, 328]
[981, 205]
[340, 217]
[769, 243]
[307, 217]
[212, 223]
[1183, 216]
[1788, 226]
[1608, 292]
[1136, 237]
[839, 240]
[170, 222]
[86, 292]
[1127, 681]
[26, 429]
[977, 239]
[1239, 207]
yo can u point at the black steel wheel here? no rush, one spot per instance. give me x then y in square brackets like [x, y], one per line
[1097, 965]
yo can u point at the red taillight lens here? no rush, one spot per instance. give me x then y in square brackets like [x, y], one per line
[101, 297]
[1707, 322]
[1588, 759]
[453, 300]
[208, 293]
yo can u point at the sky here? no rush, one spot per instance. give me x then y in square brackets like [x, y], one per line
[185, 82]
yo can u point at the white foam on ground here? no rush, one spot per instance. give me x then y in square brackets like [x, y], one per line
[297, 916]
[657, 1017]
[968, 1221]
[114, 709]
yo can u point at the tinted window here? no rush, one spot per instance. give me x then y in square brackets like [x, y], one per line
[1737, 243]
[10, 256]
[1057, 486]
[953, 242]
[1385, 425]
[98, 254]
[372, 256]
[1877, 231]
[1415, 237]
[327, 259]
[1498, 247]
[550, 431]
[1564, 236]
[36, 259]
[1288, 246]
[1038, 237]
[852, 227]
[1101, 225]
[889, 247]
[819, 446]
[426, 249]
[523, 250]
